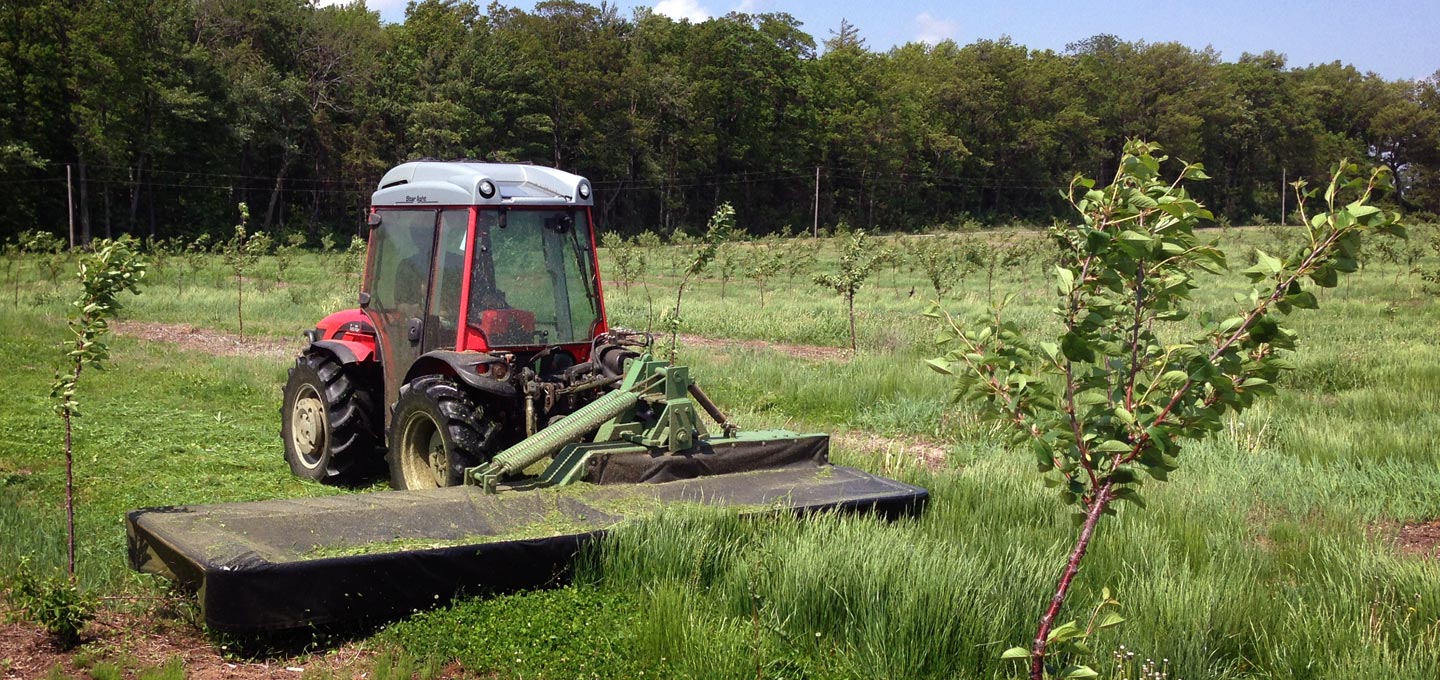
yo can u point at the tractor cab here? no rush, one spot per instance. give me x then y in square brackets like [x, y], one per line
[481, 257]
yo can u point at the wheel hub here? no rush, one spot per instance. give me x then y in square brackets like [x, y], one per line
[307, 428]
[439, 462]
[423, 460]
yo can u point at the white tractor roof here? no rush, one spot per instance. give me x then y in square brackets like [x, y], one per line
[464, 183]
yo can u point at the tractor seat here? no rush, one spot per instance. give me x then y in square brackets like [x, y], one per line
[508, 326]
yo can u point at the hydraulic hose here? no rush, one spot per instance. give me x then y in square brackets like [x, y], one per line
[562, 432]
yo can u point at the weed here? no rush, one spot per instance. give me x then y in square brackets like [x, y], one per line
[402, 666]
[572, 632]
[54, 602]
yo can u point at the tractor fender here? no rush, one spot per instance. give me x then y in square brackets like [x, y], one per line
[463, 366]
[335, 326]
[347, 351]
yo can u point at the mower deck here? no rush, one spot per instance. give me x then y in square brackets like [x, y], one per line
[284, 564]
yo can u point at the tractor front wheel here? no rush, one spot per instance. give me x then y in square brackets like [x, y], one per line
[327, 422]
[436, 431]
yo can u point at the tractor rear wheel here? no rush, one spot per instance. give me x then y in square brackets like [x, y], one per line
[436, 431]
[327, 422]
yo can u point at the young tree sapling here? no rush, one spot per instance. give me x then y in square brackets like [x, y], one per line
[1116, 392]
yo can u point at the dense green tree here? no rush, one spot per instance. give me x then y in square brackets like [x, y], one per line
[169, 112]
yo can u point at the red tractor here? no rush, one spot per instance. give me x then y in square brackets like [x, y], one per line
[480, 349]
[480, 321]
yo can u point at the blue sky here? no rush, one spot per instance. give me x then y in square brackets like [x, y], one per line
[1398, 39]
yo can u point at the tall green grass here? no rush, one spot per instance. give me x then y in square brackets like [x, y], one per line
[1269, 555]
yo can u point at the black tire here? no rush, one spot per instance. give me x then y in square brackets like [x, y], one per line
[436, 431]
[328, 422]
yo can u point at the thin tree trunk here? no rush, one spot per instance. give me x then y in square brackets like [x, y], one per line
[315, 203]
[69, 498]
[1087, 531]
[105, 194]
[150, 205]
[275, 193]
[84, 202]
[70, 486]
[239, 303]
[850, 299]
[135, 184]
[872, 205]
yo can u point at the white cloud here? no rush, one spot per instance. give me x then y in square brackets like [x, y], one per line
[678, 10]
[931, 29]
[748, 7]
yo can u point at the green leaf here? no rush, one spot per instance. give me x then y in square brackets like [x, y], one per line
[1077, 672]
[1112, 446]
[1110, 620]
[1129, 494]
[1325, 277]
[1044, 455]
[1122, 475]
[1075, 348]
[1395, 230]
[939, 366]
[1172, 378]
[1050, 349]
[1303, 300]
[1269, 263]
[1124, 415]
[1359, 210]
[1065, 631]
[1066, 280]
[1015, 653]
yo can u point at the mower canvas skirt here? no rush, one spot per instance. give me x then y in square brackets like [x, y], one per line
[284, 564]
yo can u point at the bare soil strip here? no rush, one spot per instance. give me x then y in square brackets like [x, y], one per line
[812, 352]
[927, 453]
[1420, 538]
[140, 642]
[207, 340]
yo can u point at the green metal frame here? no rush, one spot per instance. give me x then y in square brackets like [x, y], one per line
[677, 428]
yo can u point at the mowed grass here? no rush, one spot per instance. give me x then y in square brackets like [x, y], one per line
[1269, 555]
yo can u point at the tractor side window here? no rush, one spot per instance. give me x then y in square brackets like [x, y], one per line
[397, 281]
[579, 275]
[444, 318]
[402, 261]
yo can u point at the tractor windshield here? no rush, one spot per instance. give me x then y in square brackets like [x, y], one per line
[534, 284]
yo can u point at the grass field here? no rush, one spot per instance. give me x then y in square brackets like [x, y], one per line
[1272, 554]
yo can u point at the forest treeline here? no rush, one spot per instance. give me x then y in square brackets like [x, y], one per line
[167, 113]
